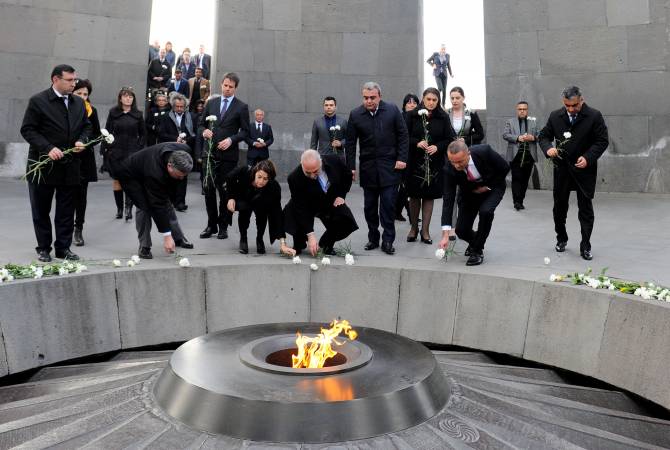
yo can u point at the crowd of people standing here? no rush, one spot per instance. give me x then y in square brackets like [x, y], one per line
[403, 158]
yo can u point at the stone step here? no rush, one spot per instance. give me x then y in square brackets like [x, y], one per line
[496, 370]
[444, 355]
[581, 424]
[86, 370]
[156, 355]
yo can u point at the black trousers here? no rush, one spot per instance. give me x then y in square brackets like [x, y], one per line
[472, 205]
[338, 223]
[521, 176]
[379, 205]
[80, 205]
[41, 197]
[441, 82]
[180, 192]
[244, 219]
[217, 213]
[585, 212]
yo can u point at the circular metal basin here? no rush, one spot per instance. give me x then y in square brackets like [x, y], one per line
[223, 383]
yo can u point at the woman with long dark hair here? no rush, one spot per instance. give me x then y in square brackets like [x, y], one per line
[429, 136]
[126, 124]
[87, 170]
[464, 121]
[409, 103]
[256, 190]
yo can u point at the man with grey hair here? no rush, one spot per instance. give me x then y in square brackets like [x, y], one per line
[441, 64]
[574, 137]
[381, 133]
[149, 177]
[319, 186]
[177, 126]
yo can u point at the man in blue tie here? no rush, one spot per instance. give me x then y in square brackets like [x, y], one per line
[229, 127]
[179, 84]
[574, 137]
[319, 186]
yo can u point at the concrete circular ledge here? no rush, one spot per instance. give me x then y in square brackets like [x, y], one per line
[608, 336]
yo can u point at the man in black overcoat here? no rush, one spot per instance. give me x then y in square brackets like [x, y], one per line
[480, 173]
[381, 133]
[580, 136]
[55, 121]
[229, 129]
[160, 71]
[319, 186]
[150, 177]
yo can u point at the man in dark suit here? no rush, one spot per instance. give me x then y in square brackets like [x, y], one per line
[177, 126]
[203, 61]
[260, 139]
[149, 177]
[381, 132]
[319, 186]
[329, 130]
[440, 61]
[229, 129]
[179, 84]
[480, 172]
[521, 135]
[160, 71]
[581, 137]
[55, 121]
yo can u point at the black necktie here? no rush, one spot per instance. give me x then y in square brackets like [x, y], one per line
[572, 119]
[259, 128]
[65, 101]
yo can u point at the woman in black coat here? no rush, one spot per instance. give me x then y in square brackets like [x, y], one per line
[87, 170]
[427, 150]
[464, 122]
[126, 124]
[256, 190]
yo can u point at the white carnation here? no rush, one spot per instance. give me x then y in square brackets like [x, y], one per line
[131, 263]
[297, 260]
[80, 268]
[325, 261]
[184, 262]
[104, 132]
[182, 135]
[337, 127]
[135, 259]
[422, 112]
[39, 272]
[439, 253]
[260, 140]
[547, 260]
[62, 271]
[567, 135]
[332, 128]
[349, 259]
[116, 263]
[211, 118]
[109, 139]
[314, 267]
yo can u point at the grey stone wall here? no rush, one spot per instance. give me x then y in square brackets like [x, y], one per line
[292, 53]
[615, 50]
[105, 41]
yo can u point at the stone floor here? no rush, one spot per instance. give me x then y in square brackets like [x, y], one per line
[491, 406]
[631, 233]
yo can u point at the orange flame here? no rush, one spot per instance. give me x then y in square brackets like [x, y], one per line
[314, 352]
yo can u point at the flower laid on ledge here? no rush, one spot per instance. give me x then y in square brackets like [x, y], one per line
[11, 272]
[647, 291]
[349, 259]
[314, 267]
[547, 260]
[184, 262]
[445, 253]
[325, 261]
[296, 260]
[116, 263]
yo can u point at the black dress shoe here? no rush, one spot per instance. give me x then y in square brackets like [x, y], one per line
[78, 238]
[119, 213]
[468, 251]
[425, 240]
[223, 234]
[183, 243]
[521, 206]
[43, 256]
[371, 245]
[260, 246]
[145, 253]
[586, 254]
[244, 246]
[387, 247]
[412, 237]
[66, 254]
[475, 259]
[518, 206]
[207, 233]
[181, 208]
[560, 246]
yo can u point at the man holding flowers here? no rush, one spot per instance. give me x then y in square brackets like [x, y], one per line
[55, 125]
[574, 137]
